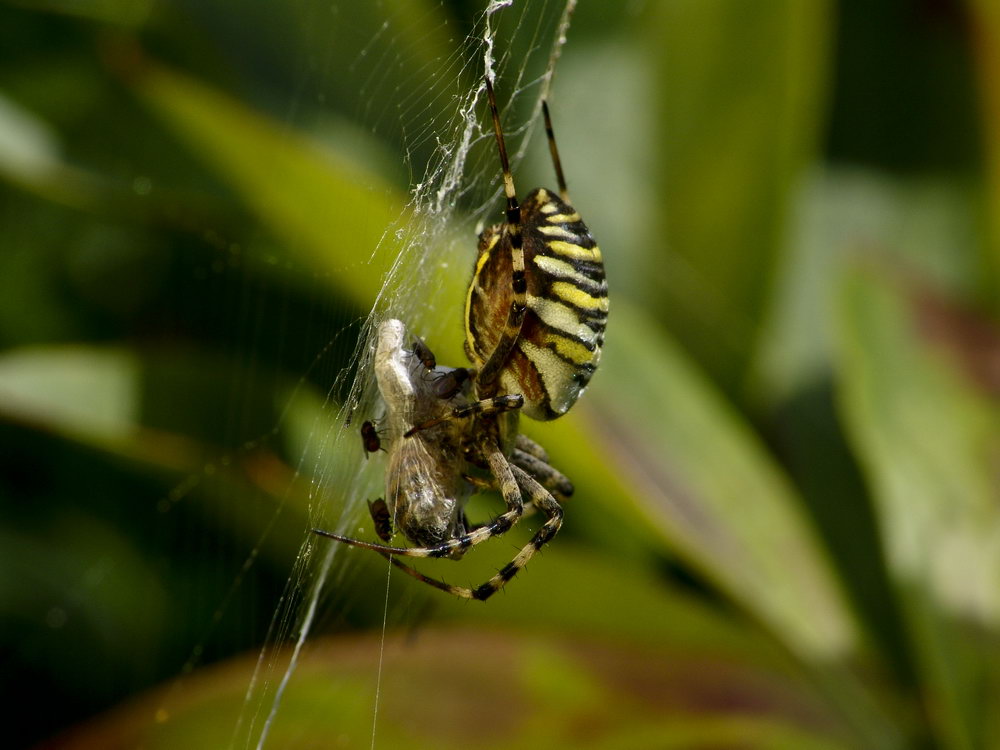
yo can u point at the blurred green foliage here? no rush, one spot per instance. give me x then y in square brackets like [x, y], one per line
[786, 531]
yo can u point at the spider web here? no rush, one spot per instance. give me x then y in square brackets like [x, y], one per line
[427, 253]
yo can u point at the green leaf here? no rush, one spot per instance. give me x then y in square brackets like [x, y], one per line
[497, 690]
[928, 439]
[928, 224]
[30, 157]
[702, 479]
[985, 19]
[740, 92]
[330, 213]
[83, 392]
[656, 452]
[127, 13]
[624, 602]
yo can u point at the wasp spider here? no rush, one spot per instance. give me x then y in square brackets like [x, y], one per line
[535, 315]
[538, 301]
[436, 445]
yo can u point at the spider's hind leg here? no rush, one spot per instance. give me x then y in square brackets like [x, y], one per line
[504, 474]
[540, 498]
[526, 444]
[549, 477]
[543, 500]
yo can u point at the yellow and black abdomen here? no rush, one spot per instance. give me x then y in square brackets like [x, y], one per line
[560, 343]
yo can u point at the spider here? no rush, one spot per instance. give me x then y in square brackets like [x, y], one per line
[435, 446]
[535, 316]
[537, 305]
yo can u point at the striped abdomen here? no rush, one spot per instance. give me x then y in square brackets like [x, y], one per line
[567, 306]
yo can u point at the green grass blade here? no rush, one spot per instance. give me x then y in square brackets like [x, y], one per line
[927, 439]
[741, 93]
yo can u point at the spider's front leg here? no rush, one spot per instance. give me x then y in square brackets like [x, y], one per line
[511, 236]
[486, 407]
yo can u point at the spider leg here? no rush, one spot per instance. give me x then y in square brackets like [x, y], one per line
[519, 300]
[459, 591]
[487, 406]
[543, 500]
[526, 444]
[486, 484]
[552, 479]
[504, 473]
[560, 179]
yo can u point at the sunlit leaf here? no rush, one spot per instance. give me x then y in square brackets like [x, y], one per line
[102, 398]
[30, 156]
[80, 391]
[838, 212]
[623, 602]
[929, 441]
